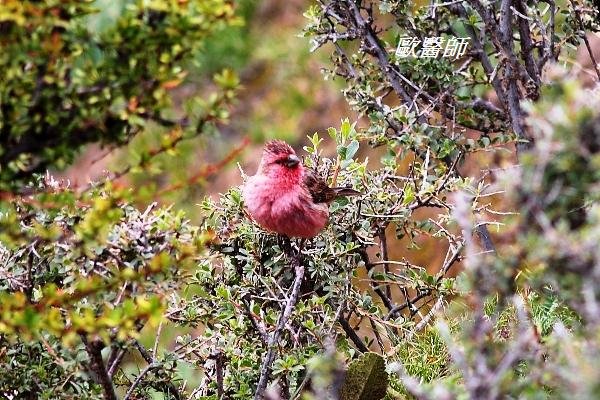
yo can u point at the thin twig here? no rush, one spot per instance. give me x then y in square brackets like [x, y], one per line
[383, 250]
[138, 380]
[116, 361]
[255, 324]
[157, 339]
[385, 299]
[169, 387]
[360, 345]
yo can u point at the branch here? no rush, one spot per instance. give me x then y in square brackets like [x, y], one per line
[177, 137]
[115, 361]
[265, 369]
[369, 266]
[352, 335]
[585, 39]
[371, 42]
[94, 350]
[255, 324]
[383, 249]
[460, 10]
[169, 387]
[207, 170]
[512, 75]
[527, 45]
[217, 355]
[139, 378]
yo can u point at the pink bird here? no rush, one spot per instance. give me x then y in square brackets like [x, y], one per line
[285, 197]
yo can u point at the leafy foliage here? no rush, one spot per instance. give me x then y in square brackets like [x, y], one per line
[65, 86]
[96, 277]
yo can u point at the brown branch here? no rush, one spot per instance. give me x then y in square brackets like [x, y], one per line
[383, 249]
[460, 10]
[176, 139]
[369, 266]
[373, 46]
[408, 304]
[501, 36]
[527, 45]
[512, 75]
[585, 39]
[218, 357]
[115, 360]
[207, 170]
[262, 333]
[94, 350]
[169, 387]
[360, 345]
[450, 262]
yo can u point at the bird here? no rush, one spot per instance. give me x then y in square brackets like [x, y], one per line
[287, 198]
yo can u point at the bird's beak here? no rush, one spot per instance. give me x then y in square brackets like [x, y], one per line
[292, 160]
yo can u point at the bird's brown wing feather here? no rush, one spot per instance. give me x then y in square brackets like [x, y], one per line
[320, 192]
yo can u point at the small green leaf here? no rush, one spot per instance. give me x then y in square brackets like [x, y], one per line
[332, 132]
[345, 130]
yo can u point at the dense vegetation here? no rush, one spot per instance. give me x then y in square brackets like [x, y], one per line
[468, 268]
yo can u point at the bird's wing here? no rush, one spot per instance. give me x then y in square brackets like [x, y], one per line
[320, 192]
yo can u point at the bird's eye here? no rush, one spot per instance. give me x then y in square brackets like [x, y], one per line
[289, 161]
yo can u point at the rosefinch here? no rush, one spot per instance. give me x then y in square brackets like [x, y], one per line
[287, 198]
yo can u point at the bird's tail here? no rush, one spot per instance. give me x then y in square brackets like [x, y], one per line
[344, 191]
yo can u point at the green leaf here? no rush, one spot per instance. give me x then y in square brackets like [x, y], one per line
[332, 133]
[366, 379]
[352, 149]
[345, 130]
[408, 195]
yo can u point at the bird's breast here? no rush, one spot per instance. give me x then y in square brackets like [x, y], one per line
[288, 211]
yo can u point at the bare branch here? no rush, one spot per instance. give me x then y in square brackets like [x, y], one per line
[265, 369]
[140, 377]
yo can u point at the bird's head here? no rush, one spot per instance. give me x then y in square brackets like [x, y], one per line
[279, 160]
